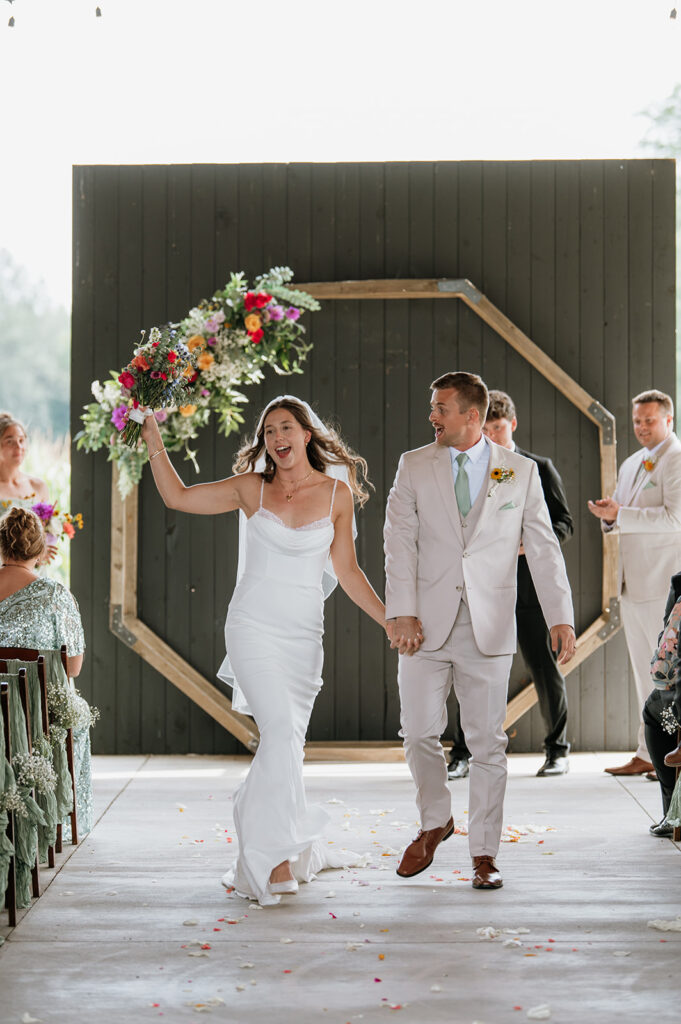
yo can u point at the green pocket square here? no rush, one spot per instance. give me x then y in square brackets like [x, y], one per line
[651, 483]
[507, 506]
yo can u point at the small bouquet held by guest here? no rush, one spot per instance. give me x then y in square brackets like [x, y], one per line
[56, 524]
[160, 375]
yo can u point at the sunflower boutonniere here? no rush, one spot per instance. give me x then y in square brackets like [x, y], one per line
[649, 464]
[500, 475]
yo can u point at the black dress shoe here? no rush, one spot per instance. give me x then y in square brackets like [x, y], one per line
[663, 830]
[458, 769]
[554, 765]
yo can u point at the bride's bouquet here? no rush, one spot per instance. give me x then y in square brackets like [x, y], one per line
[160, 375]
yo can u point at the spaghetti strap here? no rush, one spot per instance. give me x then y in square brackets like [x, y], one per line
[262, 487]
[333, 495]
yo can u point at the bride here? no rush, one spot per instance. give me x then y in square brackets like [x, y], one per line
[296, 538]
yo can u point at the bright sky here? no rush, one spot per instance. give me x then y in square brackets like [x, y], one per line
[221, 81]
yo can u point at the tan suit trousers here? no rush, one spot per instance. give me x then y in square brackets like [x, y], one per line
[642, 621]
[481, 685]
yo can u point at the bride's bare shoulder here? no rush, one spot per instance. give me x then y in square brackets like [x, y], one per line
[248, 484]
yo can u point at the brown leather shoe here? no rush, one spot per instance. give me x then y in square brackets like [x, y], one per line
[673, 758]
[419, 854]
[637, 766]
[486, 875]
[652, 776]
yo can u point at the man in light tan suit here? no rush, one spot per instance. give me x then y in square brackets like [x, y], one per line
[646, 512]
[457, 514]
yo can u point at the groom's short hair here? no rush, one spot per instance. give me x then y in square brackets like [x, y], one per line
[471, 390]
[655, 396]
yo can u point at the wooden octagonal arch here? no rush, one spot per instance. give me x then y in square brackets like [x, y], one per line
[128, 627]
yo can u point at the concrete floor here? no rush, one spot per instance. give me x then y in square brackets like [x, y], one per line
[134, 926]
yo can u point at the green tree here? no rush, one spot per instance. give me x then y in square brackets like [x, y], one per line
[35, 348]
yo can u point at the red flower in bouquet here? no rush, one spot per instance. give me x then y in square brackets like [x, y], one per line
[161, 377]
[257, 336]
[249, 301]
[261, 299]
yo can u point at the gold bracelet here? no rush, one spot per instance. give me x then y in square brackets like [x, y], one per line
[156, 453]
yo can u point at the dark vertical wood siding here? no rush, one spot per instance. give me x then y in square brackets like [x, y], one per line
[580, 255]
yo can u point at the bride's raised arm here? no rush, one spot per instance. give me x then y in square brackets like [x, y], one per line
[234, 492]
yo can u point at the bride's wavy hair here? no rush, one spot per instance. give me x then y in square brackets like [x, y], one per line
[322, 451]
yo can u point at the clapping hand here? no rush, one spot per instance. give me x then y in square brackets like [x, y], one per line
[605, 509]
[405, 633]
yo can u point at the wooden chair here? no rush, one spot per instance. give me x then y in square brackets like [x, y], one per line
[11, 891]
[26, 707]
[28, 654]
[71, 764]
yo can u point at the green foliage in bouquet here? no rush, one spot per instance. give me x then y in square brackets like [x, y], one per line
[222, 344]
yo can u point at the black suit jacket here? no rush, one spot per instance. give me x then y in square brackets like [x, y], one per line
[561, 521]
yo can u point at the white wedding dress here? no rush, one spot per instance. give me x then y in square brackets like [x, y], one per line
[273, 636]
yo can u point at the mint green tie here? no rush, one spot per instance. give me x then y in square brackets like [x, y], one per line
[461, 487]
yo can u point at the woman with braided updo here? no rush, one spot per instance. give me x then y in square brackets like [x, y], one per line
[42, 614]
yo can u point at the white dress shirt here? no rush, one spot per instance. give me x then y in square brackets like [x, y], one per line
[476, 467]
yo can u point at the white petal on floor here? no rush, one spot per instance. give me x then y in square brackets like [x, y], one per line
[541, 1012]
[674, 925]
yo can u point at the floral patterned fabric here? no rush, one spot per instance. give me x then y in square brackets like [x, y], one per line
[665, 667]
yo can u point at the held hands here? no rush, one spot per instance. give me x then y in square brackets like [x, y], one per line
[405, 633]
[563, 642]
[605, 509]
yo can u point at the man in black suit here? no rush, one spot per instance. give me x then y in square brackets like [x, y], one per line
[534, 638]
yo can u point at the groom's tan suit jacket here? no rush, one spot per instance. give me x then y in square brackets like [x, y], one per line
[649, 523]
[431, 557]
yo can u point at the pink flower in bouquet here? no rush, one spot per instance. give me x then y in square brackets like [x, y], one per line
[211, 341]
[161, 415]
[292, 313]
[213, 323]
[43, 510]
[119, 416]
[205, 393]
[275, 312]
[126, 379]
[69, 530]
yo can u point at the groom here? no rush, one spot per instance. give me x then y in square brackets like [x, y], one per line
[457, 514]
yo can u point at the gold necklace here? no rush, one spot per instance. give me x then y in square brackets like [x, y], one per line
[13, 565]
[296, 485]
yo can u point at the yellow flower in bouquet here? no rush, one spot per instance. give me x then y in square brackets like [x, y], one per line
[187, 410]
[205, 360]
[196, 341]
[253, 322]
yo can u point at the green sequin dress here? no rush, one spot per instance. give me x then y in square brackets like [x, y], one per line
[43, 616]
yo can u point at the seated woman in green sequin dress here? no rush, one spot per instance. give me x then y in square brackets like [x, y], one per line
[42, 614]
